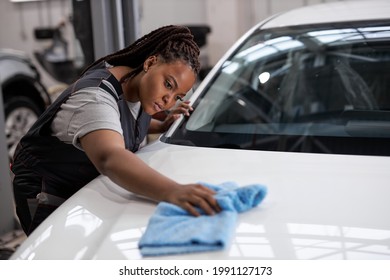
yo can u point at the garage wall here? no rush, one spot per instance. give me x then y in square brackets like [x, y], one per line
[229, 19]
[155, 13]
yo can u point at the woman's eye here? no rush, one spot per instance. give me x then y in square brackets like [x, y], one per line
[179, 98]
[168, 85]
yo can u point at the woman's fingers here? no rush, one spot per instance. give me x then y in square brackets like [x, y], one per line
[184, 108]
[195, 197]
[190, 209]
[205, 200]
[213, 203]
[205, 206]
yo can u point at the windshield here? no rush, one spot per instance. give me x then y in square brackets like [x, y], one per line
[301, 89]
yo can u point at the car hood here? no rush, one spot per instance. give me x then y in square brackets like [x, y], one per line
[318, 207]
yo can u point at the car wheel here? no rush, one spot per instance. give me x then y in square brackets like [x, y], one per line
[20, 114]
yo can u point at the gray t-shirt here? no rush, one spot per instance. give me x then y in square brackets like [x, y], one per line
[85, 111]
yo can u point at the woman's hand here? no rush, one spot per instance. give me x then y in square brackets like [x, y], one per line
[192, 196]
[184, 108]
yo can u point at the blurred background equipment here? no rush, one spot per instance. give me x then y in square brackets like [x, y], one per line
[55, 58]
[24, 96]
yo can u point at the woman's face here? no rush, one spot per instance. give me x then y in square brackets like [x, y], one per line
[162, 84]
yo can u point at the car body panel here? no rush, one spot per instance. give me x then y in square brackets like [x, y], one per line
[319, 206]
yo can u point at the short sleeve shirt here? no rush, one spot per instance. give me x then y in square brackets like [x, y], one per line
[85, 111]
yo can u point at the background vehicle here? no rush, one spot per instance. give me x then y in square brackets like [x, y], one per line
[24, 96]
[300, 104]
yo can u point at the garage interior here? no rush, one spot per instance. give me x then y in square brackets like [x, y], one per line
[93, 28]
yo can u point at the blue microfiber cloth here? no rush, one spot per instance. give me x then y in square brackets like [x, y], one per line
[172, 230]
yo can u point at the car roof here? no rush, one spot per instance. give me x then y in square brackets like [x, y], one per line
[331, 12]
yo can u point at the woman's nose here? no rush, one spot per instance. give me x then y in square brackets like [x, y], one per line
[168, 98]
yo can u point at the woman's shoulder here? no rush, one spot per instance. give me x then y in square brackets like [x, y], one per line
[90, 95]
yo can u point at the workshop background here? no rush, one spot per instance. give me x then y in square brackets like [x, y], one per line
[23, 24]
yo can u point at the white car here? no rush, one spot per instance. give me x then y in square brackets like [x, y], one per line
[301, 105]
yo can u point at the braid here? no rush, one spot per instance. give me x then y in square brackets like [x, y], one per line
[170, 42]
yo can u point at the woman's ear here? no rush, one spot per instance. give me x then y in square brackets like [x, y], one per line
[149, 62]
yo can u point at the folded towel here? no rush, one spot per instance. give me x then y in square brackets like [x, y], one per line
[172, 230]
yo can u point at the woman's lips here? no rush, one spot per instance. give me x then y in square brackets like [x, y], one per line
[158, 107]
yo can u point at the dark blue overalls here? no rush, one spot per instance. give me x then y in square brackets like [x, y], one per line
[48, 171]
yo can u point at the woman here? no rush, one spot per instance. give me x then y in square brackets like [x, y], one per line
[97, 124]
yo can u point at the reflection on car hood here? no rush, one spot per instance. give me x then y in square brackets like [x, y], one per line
[318, 207]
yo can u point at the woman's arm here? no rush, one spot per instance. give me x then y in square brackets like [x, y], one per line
[106, 150]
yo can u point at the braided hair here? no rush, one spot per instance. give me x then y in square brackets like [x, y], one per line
[170, 43]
